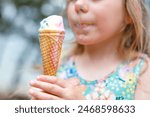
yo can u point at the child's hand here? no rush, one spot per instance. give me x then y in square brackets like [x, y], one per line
[52, 88]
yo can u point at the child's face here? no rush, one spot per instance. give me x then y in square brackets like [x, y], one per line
[93, 21]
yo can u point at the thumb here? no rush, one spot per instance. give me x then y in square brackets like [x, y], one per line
[71, 82]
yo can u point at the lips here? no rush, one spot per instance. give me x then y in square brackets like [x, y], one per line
[83, 25]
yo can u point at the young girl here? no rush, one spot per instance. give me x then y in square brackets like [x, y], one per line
[110, 60]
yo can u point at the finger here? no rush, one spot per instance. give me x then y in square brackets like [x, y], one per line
[52, 79]
[32, 88]
[75, 93]
[43, 96]
[71, 82]
[33, 98]
[61, 82]
[35, 88]
[67, 83]
[48, 87]
[46, 78]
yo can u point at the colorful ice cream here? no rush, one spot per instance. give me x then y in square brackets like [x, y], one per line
[51, 39]
[53, 22]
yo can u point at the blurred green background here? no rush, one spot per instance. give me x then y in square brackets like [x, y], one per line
[20, 58]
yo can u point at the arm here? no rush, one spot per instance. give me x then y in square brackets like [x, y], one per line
[142, 91]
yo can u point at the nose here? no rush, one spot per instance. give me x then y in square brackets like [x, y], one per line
[81, 6]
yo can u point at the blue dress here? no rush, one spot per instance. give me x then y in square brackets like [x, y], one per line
[118, 85]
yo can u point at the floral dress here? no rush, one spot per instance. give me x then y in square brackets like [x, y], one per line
[118, 85]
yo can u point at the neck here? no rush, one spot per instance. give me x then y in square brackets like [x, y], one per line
[103, 51]
[99, 60]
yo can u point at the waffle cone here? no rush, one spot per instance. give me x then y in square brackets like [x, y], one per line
[51, 45]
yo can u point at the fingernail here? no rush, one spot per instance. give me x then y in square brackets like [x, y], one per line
[31, 91]
[38, 77]
[32, 82]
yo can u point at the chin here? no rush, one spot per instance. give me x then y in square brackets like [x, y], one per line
[85, 42]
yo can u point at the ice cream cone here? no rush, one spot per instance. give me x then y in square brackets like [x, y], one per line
[51, 46]
[51, 38]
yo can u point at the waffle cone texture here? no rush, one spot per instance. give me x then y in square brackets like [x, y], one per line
[51, 46]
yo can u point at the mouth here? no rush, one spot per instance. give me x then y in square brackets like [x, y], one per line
[84, 25]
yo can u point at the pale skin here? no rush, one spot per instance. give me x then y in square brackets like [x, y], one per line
[98, 27]
[142, 91]
[53, 88]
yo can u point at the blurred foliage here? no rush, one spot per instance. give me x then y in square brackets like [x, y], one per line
[31, 12]
[22, 18]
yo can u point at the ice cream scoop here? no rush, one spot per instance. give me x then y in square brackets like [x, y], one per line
[53, 22]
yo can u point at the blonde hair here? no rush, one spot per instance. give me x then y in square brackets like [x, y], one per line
[135, 36]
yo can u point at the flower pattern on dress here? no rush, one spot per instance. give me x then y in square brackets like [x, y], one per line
[100, 93]
[119, 85]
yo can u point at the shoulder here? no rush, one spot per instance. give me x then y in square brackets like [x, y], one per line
[145, 75]
[143, 87]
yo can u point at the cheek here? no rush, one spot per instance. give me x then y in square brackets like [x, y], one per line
[71, 16]
[110, 23]
[111, 17]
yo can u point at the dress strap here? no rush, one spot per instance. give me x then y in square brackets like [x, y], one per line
[138, 67]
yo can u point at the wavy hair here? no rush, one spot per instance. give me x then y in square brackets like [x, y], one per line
[135, 35]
